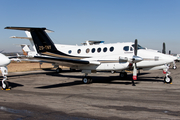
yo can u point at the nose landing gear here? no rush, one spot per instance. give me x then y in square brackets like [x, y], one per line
[5, 85]
[167, 78]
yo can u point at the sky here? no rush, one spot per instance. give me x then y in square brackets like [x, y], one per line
[152, 22]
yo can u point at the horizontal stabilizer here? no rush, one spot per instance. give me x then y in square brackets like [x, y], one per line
[28, 28]
[21, 37]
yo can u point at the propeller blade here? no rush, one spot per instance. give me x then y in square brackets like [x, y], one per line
[135, 47]
[134, 72]
[135, 59]
[164, 48]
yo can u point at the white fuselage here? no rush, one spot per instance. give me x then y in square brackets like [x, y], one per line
[109, 56]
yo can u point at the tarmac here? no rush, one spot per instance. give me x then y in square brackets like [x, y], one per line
[44, 95]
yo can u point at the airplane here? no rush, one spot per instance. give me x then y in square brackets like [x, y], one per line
[99, 57]
[4, 61]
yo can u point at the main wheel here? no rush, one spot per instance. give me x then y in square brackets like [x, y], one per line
[123, 74]
[174, 67]
[5, 85]
[72, 70]
[87, 80]
[168, 79]
[58, 70]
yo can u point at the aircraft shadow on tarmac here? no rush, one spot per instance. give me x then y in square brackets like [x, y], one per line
[96, 79]
[101, 79]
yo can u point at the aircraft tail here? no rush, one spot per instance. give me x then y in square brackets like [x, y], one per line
[25, 49]
[41, 40]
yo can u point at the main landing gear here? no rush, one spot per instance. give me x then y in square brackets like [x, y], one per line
[174, 65]
[58, 70]
[123, 74]
[86, 79]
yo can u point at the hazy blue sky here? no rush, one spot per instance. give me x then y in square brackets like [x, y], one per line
[152, 22]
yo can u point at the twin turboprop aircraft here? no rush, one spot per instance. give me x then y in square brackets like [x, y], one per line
[99, 57]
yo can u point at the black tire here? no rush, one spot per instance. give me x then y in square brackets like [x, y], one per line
[123, 74]
[72, 70]
[58, 70]
[174, 67]
[86, 80]
[90, 81]
[7, 85]
[168, 79]
[113, 71]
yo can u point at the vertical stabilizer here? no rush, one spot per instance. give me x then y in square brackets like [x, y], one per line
[25, 49]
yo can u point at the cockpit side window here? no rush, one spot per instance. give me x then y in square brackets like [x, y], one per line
[126, 48]
[139, 47]
[131, 49]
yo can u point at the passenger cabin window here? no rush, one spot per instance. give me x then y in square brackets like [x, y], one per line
[93, 50]
[105, 49]
[126, 48]
[111, 49]
[79, 51]
[87, 50]
[69, 51]
[99, 50]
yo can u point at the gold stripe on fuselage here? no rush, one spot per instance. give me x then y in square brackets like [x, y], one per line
[62, 56]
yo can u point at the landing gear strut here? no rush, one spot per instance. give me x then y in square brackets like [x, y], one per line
[167, 78]
[5, 84]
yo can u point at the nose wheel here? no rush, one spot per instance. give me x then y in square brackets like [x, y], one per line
[168, 79]
[5, 85]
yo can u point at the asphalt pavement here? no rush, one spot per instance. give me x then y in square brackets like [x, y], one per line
[44, 95]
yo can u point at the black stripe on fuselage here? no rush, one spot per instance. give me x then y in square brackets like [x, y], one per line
[61, 60]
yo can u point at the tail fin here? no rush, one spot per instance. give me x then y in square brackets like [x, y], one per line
[42, 42]
[25, 49]
[40, 38]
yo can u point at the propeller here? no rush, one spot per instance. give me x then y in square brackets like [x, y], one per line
[135, 57]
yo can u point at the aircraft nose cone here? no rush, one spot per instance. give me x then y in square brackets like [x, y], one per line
[168, 58]
[4, 61]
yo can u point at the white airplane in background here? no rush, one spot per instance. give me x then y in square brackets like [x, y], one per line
[99, 57]
[4, 61]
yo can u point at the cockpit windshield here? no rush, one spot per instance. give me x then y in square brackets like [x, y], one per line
[139, 47]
